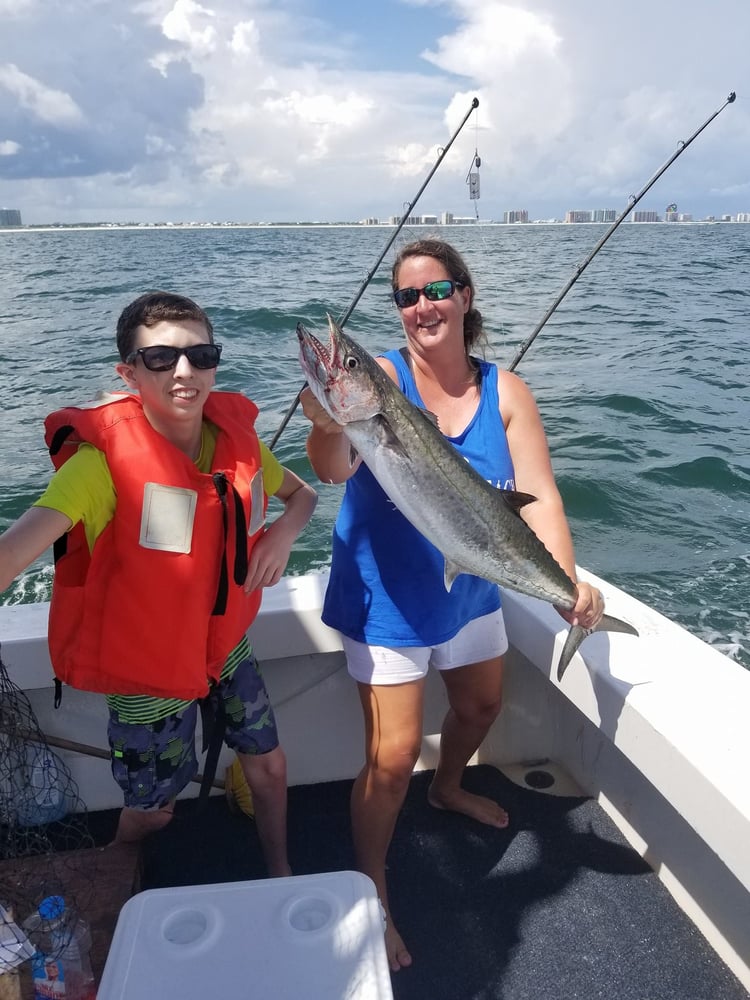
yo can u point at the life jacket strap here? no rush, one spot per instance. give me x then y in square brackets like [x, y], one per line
[240, 541]
[222, 592]
[214, 723]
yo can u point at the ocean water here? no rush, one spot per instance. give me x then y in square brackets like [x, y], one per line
[641, 374]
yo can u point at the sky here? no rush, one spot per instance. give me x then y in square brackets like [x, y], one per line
[338, 110]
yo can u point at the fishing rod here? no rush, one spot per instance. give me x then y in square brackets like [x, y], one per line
[371, 274]
[633, 201]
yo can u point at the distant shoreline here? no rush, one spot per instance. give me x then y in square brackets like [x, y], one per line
[160, 226]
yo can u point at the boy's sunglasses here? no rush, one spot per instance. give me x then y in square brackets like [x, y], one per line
[163, 359]
[435, 291]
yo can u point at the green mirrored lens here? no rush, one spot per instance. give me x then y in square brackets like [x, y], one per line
[438, 290]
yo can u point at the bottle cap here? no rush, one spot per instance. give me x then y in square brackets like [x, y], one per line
[52, 907]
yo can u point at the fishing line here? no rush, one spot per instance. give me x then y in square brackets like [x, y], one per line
[371, 273]
[634, 199]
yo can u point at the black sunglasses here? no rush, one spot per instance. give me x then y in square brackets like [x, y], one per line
[435, 291]
[162, 359]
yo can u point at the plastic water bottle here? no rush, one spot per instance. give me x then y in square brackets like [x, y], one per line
[61, 966]
[40, 793]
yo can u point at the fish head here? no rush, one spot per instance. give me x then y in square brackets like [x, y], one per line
[343, 377]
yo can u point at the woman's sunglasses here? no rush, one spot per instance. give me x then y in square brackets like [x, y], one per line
[435, 291]
[163, 359]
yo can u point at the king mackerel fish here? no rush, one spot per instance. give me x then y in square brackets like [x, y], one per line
[475, 526]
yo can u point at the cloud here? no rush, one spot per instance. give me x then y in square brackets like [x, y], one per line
[494, 39]
[43, 103]
[16, 8]
[245, 109]
[179, 25]
[93, 105]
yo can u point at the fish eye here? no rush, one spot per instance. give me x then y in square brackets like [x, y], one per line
[350, 362]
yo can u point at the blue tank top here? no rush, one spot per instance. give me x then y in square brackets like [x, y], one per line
[386, 585]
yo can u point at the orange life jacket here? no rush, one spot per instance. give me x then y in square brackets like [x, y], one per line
[158, 604]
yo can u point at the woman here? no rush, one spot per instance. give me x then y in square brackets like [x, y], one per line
[386, 594]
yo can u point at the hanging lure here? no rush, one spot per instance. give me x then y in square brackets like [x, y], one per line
[472, 178]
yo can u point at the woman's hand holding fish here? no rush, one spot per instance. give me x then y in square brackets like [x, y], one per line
[589, 606]
[317, 414]
[328, 448]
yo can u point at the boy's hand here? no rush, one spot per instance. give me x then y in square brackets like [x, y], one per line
[268, 559]
[270, 553]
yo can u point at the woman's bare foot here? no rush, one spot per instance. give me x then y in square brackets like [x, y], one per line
[398, 956]
[477, 807]
[280, 871]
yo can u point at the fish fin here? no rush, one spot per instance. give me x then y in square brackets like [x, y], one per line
[607, 623]
[391, 440]
[516, 500]
[353, 456]
[573, 640]
[450, 573]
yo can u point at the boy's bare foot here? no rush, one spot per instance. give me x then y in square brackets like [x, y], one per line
[477, 807]
[398, 956]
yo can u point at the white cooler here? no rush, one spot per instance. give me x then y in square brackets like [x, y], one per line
[307, 937]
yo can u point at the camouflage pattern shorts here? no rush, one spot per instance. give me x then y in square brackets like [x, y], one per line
[153, 762]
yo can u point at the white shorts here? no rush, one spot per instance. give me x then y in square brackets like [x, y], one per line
[482, 639]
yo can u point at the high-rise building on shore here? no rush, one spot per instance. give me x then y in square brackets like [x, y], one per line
[577, 215]
[10, 217]
[591, 215]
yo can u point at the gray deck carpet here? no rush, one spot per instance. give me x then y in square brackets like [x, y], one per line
[557, 906]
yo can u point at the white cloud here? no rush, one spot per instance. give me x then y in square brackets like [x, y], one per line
[494, 39]
[410, 160]
[181, 25]
[245, 38]
[44, 103]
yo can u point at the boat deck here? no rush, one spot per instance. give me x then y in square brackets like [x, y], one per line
[556, 906]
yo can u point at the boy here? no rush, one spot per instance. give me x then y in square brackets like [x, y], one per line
[157, 512]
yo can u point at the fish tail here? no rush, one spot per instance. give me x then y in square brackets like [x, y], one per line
[578, 633]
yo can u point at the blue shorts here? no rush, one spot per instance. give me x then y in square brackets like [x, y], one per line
[153, 762]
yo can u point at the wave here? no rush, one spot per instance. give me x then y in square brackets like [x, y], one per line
[706, 472]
